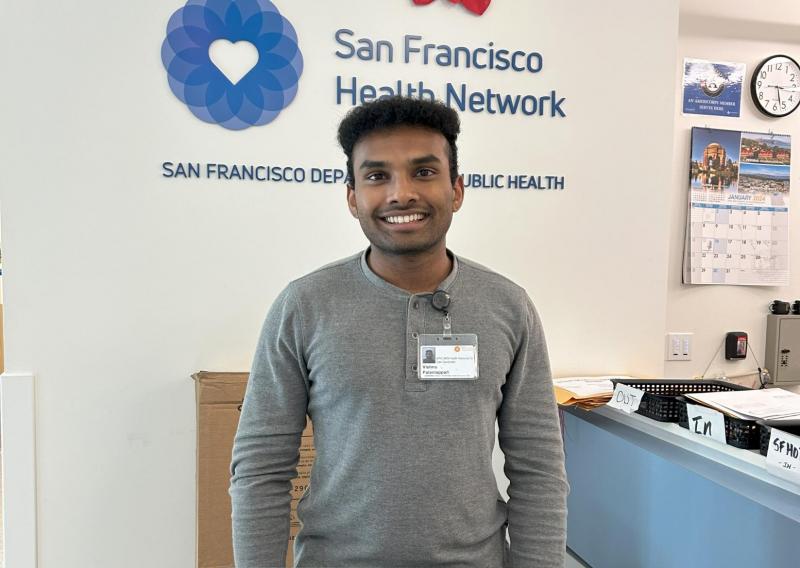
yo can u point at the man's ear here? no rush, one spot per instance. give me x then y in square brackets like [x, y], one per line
[351, 200]
[458, 193]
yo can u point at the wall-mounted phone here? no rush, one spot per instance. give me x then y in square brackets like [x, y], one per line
[735, 345]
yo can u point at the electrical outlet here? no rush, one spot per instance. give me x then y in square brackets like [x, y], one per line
[679, 346]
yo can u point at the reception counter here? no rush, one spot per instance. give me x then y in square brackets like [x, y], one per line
[646, 494]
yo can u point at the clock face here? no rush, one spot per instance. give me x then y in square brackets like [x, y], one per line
[775, 86]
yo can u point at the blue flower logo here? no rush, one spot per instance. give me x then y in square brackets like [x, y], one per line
[233, 62]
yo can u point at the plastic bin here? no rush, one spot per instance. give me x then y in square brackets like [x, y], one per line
[739, 433]
[789, 426]
[660, 399]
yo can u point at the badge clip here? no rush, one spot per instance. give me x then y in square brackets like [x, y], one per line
[447, 326]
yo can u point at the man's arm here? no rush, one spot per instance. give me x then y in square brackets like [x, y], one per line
[266, 447]
[530, 437]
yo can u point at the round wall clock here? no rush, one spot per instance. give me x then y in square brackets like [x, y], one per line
[775, 86]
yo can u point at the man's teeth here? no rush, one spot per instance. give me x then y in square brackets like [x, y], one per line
[405, 218]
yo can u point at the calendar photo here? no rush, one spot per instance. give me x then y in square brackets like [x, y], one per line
[764, 179]
[766, 148]
[738, 219]
[715, 160]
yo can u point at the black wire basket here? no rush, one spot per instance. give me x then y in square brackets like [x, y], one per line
[660, 399]
[739, 433]
[789, 426]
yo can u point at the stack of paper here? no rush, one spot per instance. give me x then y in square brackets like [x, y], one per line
[584, 392]
[764, 404]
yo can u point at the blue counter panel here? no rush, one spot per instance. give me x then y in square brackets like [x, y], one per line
[631, 508]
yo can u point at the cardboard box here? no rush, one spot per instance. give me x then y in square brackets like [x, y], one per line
[219, 402]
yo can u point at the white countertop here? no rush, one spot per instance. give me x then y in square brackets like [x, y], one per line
[742, 471]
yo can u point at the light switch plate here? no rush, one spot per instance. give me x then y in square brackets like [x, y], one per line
[678, 346]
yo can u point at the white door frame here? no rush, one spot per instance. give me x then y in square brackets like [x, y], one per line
[18, 423]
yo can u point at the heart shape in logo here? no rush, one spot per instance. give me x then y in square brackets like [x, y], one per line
[234, 60]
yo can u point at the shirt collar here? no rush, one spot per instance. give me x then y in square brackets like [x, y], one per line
[384, 285]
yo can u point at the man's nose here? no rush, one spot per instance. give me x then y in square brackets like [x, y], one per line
[402, 191]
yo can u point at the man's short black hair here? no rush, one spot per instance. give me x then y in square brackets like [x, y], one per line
[390, 112]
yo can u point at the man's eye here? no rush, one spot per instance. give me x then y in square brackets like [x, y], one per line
[425, 172]
[375, 176]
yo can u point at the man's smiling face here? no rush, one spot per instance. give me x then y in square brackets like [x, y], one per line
[401, 193]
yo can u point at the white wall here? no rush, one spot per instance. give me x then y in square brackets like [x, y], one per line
[119, 284]
[746, 35]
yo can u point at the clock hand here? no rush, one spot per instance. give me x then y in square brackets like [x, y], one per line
[779, 96]
[790, 89]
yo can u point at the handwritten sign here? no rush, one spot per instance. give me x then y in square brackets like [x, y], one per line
[706, 422]
[783, 457]
[626, 398]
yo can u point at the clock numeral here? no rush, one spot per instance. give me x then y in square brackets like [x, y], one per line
[778, 66]
[763, 74]
[761, 94]
[759, 83]
[792, 77]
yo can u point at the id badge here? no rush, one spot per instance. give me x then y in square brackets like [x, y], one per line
[442, 358]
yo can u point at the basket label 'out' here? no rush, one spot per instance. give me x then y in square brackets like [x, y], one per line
[626, 398]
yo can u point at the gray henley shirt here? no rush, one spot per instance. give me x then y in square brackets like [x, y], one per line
[403, 473]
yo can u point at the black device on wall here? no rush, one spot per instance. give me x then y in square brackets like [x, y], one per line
[735, 345]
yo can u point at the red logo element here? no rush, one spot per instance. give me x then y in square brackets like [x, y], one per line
[477, 6]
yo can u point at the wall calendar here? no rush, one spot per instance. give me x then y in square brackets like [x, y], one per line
[737, 229]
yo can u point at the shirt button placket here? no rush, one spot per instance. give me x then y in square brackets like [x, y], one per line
[416, 320]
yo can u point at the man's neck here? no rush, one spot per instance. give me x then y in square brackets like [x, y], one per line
[415, 273]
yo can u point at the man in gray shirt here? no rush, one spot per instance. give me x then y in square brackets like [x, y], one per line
[403, 474]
